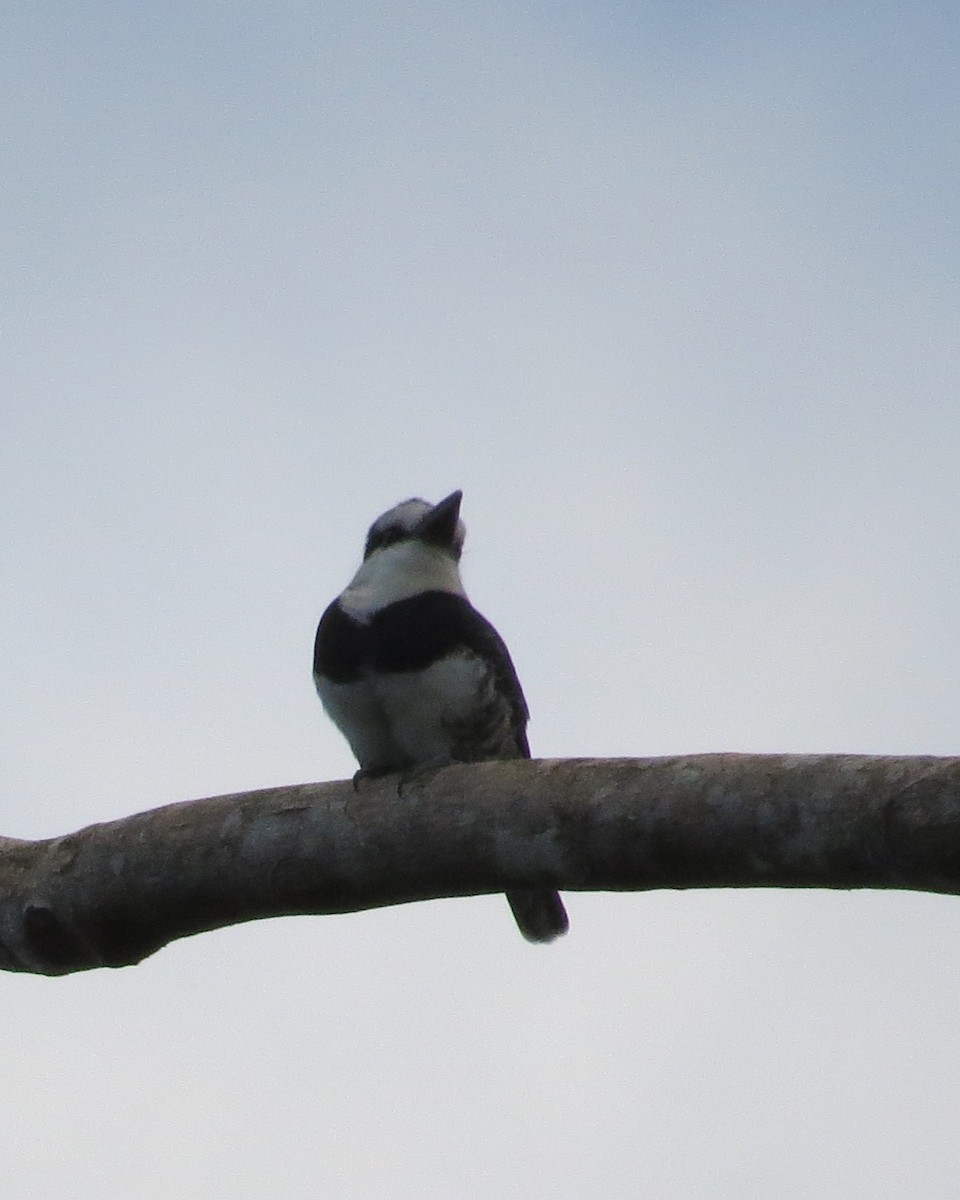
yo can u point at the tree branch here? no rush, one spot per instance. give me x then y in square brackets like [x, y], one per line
[112, 894]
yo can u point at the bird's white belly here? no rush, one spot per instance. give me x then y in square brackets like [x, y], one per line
[405, 718]
[422, 707]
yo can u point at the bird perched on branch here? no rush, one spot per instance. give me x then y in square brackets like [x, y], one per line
[415, 678]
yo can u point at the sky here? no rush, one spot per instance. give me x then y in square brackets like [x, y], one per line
[672, 292]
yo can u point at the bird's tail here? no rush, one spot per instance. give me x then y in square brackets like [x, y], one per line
[539, 913]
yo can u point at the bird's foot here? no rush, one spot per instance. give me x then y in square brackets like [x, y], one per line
[367, 773]
[417, 774]
[420, 774]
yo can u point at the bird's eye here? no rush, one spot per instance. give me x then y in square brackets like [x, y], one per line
[384, 537]
[389, 536]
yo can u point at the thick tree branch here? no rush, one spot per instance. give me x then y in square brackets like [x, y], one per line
[111, 894]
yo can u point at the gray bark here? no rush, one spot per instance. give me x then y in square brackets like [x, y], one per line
[111, 894]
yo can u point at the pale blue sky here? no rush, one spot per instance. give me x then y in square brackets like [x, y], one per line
[672, 293]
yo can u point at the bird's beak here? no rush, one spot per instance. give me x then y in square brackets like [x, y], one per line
[439, 526]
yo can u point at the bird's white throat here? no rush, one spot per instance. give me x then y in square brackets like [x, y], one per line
[396, 573]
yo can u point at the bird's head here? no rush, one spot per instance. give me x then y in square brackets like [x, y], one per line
[413, 548]
[435, 525]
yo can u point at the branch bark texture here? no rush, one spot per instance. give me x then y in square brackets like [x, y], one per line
[111, 894]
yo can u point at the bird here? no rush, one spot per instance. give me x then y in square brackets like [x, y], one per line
[415, 678]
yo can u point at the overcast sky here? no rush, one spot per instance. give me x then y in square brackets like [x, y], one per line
[672, 292]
